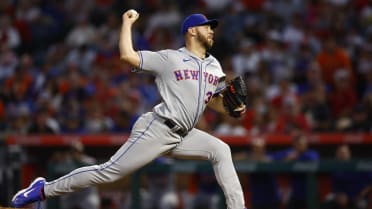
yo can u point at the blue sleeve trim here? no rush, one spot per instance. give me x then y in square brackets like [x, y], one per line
[222, 87]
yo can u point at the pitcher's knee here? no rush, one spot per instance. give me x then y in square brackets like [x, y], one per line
[223, 152]
[225, 149]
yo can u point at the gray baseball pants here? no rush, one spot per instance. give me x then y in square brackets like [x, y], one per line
[149, 139]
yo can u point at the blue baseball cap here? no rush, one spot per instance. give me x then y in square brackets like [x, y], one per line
[197, 20]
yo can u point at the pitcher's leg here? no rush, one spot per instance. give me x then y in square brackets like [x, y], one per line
[146, 142]
[198, 144]
[118, 166]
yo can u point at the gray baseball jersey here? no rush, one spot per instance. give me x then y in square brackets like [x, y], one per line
[186, 84]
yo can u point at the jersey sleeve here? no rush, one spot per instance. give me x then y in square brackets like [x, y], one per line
[220, 86]
[222, 79]
[152, 61]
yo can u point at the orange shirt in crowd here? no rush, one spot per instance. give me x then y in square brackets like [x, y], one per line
[329, 63]
[19, 84]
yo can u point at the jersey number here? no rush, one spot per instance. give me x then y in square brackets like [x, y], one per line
[208, 97]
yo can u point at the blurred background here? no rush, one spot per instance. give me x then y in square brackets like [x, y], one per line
[66, 100]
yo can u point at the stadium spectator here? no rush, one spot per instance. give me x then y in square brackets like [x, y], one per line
[109, 31]
[366, 14]
[18, 86]
[19, 119]
[360, 121]
[303, 63]
[364, 69]
[294, 33]
[44, 123]
[165, 17]
[123, 122]
[81, 56]
[72, 124]
[291, 118]
[299, 152]
[204, 191]
[284, 10]
[9, 35]
[312, 79]
[314, 99]
[62, 163]
[83, 33]
[8, 63]
[230, 127]
[342, 97]
[367, 96]
[278, 61]
[247, 59]
[286, 102]
[281, 92]
[148, 92]
[263, 187]
[28, 11]
[161, 191]
[95, 121]
[260, 118]
[333, 58]
[349, 189]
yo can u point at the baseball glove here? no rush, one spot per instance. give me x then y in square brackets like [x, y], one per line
[234, 97]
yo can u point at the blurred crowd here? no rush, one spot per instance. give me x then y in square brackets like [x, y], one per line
[307, 63]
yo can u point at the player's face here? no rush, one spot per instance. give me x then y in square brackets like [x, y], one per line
[204, 35]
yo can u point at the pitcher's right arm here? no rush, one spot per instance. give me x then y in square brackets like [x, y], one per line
[127, 53]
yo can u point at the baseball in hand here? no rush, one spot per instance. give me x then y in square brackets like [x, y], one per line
[132, 13]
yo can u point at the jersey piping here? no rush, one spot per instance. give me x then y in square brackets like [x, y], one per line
[199, 90]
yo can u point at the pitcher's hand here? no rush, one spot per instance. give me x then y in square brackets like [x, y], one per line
[130, 16]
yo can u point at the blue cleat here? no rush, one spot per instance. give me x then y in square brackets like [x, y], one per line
[33, 193]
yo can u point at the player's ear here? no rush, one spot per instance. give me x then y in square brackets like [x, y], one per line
[192, 31]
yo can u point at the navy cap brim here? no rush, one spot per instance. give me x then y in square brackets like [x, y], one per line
[213, 23]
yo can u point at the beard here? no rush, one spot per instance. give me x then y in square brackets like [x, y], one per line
[204, 41]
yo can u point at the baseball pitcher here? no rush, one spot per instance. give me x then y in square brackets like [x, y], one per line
[188, 79]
